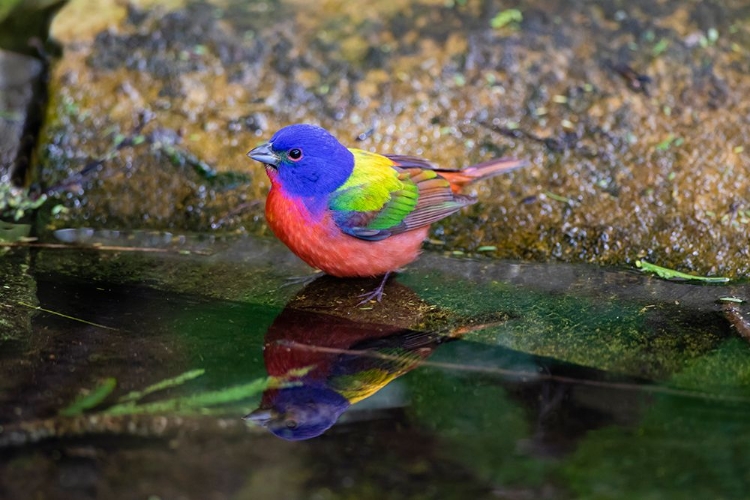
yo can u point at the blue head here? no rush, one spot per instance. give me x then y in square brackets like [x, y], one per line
[302, 412]
[308, 160]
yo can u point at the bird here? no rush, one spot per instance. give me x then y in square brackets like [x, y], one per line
[355, 213]
[330, 359]
[330, 363]
[328, 356]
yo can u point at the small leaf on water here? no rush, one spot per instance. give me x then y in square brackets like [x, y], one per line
[736, 300]
[671, 274]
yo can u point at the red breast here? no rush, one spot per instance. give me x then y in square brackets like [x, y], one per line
[320, 243]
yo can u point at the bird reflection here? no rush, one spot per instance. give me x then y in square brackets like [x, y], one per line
[335, 353]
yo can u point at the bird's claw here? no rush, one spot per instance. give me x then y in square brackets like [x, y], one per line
[376, 294]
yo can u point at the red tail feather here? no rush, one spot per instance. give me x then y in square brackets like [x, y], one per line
[460, 178]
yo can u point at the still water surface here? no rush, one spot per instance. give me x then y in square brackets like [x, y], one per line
[493, 380]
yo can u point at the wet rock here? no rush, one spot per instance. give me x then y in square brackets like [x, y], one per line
[637, 135]
[19, 88]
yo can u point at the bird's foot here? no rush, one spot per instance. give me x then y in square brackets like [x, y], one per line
[376, 294]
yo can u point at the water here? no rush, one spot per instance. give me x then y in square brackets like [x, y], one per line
[473, 377]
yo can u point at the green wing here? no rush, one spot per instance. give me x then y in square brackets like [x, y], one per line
[381, 199]
[378, 361]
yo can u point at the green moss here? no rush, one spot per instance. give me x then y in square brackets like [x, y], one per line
[605, 333]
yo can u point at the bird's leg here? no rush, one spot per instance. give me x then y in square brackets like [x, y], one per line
[376, 294]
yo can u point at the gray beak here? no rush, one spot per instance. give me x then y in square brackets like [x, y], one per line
[261, 416]
[265, 154]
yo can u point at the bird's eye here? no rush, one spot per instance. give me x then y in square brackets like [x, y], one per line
[295, 154]
[290, 424]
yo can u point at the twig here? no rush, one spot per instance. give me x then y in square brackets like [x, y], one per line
[48, 311]
[147, 426]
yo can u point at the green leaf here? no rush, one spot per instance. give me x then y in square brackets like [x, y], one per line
[669, 141]
[91, 399]
[735, 300]
[660, 47]
[671, 274]
[557, 197]
[506, 17]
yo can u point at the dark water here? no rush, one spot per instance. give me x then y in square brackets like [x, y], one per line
[472, 379]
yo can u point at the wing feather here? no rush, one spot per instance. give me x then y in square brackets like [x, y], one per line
[405, 161]
[390, 195]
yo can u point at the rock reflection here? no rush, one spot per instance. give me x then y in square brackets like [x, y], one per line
[337, 354]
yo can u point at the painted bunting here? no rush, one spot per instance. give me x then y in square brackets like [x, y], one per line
[333, 361]
[331, 355]
[352, 213]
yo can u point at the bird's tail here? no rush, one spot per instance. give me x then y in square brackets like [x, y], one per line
[485, 170]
